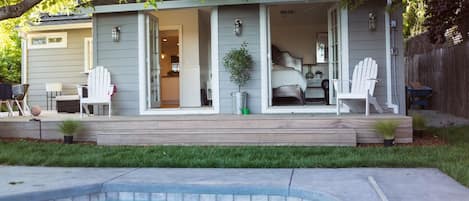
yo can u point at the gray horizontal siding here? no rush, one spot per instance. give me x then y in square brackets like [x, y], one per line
[228, 41]
[120, 58]
[364, 43]
[63, 65]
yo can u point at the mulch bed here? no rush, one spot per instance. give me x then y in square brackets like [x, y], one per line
[43, 141]
[426, 139]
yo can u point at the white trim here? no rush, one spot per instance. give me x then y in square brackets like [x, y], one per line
[87, 25]
[179, 111]
[316, 109]
[344, 44]
[215, 63]
[387, 21]
[344, 56]
[62, 44]
[264, 58]
[162, 5]
[87, 54]
[141, 61]
[24, 60]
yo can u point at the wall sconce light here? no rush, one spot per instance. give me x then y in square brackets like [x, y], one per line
[372, 21]
[238, 27]
[116, 32]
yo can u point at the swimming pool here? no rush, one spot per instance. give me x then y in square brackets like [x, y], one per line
[165, 196]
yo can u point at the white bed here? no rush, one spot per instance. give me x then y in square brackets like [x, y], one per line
[287, 79]
[286, 76]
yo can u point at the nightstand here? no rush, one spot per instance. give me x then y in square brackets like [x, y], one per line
[314, 91]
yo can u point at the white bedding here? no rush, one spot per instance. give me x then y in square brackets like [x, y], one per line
[285, 76]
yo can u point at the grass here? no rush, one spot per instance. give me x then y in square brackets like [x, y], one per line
[453, 158]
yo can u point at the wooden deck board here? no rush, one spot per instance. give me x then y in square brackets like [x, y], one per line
[297, 130]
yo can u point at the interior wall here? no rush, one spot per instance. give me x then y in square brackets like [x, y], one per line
[189, 60]
[169, 48]
[299, 40]
[294, 28]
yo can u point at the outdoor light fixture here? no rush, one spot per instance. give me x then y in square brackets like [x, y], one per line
[372, 21]
[116, 32]
[238, 27]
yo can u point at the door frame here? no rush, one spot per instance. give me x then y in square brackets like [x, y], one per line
[264, 19]
[143, 110]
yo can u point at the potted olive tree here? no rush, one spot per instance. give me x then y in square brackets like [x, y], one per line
[239, 62]
[69, 128]
[387, 129]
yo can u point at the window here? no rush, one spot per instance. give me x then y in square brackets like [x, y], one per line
[88, 54]
[47, 40]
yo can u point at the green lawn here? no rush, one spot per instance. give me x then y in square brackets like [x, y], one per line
[453, 158]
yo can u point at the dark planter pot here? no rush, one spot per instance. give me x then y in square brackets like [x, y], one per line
[68, 139]
[388, 143]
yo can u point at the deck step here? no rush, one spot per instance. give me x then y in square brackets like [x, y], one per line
[293, 137]
[296, 130]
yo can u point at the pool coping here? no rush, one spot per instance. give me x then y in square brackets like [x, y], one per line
[330, 184]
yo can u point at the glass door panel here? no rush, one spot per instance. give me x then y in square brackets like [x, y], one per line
[153, 62]
[334, 50]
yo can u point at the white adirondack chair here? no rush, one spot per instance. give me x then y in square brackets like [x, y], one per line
[100, 90]
[362, 86]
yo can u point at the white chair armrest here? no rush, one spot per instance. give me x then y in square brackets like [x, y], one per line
[111, 90]
[80, 90]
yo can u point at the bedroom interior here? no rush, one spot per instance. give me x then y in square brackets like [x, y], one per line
[300, 54]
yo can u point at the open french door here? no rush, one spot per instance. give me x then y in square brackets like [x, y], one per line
[152, 61]
[334, 50]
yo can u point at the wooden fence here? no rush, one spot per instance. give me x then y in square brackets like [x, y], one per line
[446, 70]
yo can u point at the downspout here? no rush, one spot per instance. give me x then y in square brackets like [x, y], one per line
[24, 60]
[389, 102]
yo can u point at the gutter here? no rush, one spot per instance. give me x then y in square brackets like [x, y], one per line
[389, 85]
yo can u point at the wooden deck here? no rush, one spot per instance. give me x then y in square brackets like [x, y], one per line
[296, 130]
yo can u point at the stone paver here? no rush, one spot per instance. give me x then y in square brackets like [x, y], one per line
[150, 184]
[262, 181]
[37, 180]
[397, 184]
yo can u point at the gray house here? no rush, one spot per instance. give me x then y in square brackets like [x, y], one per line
[169, 60]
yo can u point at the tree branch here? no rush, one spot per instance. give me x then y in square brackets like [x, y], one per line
[12, 11]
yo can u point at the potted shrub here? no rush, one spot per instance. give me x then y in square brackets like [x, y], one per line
[238, 62]
[419, 124]
[69, 128]
[387, 129]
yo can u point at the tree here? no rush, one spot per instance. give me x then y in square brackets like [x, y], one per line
[443, 16]
[13, 9]
[10, 42]
[414, 17]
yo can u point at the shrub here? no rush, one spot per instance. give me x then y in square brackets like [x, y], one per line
[386, 128]
[69, 127]
[419, 122]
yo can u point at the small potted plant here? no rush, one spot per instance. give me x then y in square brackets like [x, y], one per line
[387, 129]
[419, 124]
[69, 128]
[239, 63]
